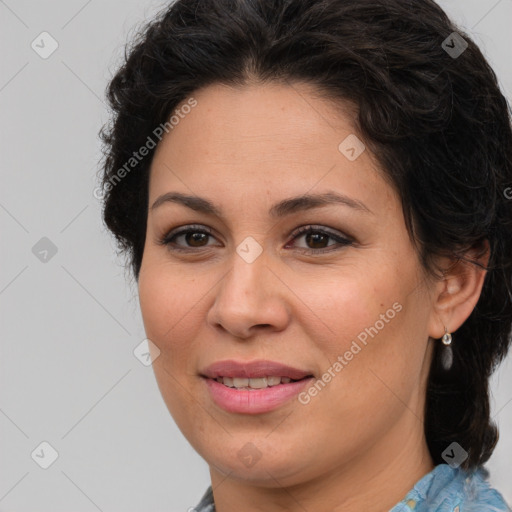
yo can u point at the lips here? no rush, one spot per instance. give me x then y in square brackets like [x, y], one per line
[253, 369]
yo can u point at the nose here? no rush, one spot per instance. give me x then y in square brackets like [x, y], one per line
[250, 297]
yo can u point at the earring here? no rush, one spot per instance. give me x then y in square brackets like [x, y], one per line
[447, 353]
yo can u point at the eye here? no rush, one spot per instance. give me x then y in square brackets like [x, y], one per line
[193, 235]
[317, 236]
[197, 237]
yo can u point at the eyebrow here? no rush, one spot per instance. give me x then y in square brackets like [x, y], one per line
[280, 209]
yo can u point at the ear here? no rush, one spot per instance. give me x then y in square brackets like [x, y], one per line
[456, 294]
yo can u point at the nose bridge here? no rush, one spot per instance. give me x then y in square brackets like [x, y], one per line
[246, 296]
[249, 268]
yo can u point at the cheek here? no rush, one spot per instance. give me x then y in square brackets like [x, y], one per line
[169, 299]
[367, 320]
[169, 304]
[158, 297]
[347, 307]
[171, 309]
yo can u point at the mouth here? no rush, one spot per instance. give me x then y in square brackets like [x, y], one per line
[253, 387]
[249, 400]
[255, 371]
[251, 384]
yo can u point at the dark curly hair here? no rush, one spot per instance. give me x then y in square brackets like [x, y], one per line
[436, 122]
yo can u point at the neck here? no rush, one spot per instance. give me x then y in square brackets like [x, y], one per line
[374, 481]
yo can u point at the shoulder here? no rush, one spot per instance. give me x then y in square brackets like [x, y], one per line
[479, 495]
[447, 489]
[444, 489]
[206, 504]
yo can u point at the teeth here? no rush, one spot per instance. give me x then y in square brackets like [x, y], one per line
[255, 383]
[239, 382]
[274, 381]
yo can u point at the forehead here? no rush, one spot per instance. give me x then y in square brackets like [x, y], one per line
[255, 114]
[264, 139]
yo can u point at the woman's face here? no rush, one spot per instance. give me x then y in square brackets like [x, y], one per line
[355, 315]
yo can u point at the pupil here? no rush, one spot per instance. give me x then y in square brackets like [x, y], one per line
[309, 236]
[196, 237]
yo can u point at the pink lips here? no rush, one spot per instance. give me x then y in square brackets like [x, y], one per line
[255, 401]
[253, 369]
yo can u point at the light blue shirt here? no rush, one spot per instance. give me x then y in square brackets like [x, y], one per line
[444, 489]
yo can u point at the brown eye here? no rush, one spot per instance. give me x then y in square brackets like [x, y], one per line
[193, 237]
[317, 239]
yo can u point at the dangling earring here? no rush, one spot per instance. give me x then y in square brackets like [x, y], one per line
[447, 353]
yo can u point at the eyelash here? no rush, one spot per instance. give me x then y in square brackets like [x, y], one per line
[167, 240]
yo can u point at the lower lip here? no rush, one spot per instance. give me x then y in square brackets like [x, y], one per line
[254, 402]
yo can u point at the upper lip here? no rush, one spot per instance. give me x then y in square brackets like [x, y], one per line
[253, 369]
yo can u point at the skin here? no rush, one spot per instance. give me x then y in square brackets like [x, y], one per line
[359, 444]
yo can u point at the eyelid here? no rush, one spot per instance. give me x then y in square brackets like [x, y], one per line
[183, 230]
[323, 229]
[189, 227]
[342, 240]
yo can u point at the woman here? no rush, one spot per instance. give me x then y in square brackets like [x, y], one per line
[315, 201]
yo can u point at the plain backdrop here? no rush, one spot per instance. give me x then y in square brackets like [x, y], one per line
[69, 316]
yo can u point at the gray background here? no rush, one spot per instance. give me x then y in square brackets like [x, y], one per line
[70, 324]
